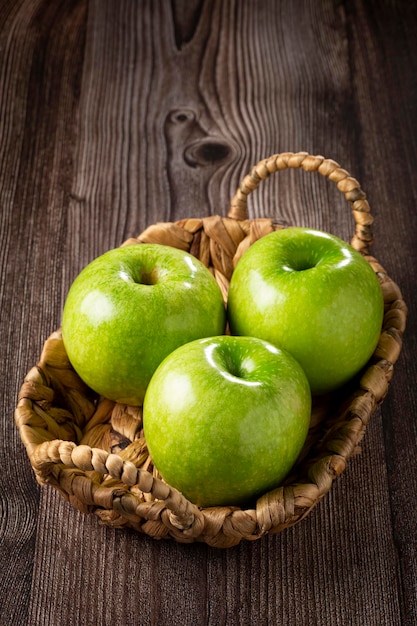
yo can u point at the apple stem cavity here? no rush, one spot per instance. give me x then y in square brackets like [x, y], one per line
[303, 267]
[235, 364]
[148, 277]
[141, 277]
[231, 362]
[233, 367]
[301, 264]
[222, 359]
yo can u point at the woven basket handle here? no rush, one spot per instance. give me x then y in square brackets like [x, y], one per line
[363, 237]
[183, 515]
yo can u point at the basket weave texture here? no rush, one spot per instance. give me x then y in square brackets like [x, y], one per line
[93, 451]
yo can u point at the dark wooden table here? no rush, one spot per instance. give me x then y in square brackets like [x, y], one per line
[116, 114]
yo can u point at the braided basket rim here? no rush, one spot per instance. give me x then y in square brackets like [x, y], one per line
[54, 406]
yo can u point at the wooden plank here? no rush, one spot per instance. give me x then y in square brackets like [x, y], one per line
[386, 42]
[40, 47]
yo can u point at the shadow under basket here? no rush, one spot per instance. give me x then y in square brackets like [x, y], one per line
[92, 450]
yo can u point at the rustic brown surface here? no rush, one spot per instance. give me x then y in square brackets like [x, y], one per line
[115, 115]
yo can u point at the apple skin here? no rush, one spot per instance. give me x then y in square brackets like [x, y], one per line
[131, 307]
[225, 418]
[313, 295]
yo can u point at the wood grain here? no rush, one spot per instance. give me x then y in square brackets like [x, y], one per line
[115, 115]
[40, 45]
[377, 115]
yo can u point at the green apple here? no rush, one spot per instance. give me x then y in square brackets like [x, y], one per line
[313, 295]
[131, 307]
[225, 418]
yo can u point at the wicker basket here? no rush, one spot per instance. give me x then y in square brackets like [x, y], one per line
[93, 451]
